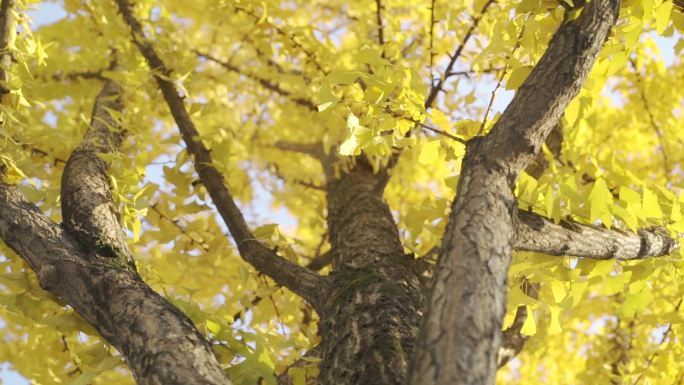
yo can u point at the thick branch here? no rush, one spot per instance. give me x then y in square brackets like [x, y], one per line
[300, 280]
[88, 208]
[159, 343]
[461, 332]
[535, 233]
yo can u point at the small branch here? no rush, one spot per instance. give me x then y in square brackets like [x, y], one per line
[622, 346]
[266, 83]
[284, 378]
[308, 53]
[426, 127]
[71, 76]
[656, 127]
[40, 152]
[512, 340]
[300, 280]
[662, 340]
[498, 83]
[276, 171]
[274, 64]
[467, 73]
[201, 243]
[436, 88]
[378, 19]
[408, 47]
[321, 261]
[314, 150]
[77, 367]
[316, 264]
[158, 342]
[432, 37]
[538, 234]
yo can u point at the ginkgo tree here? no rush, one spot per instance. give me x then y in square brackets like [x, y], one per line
[329, 192]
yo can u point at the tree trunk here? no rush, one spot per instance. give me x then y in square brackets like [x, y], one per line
[369, 325]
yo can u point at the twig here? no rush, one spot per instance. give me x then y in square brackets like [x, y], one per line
[498, 83]
[656, 127]
[436, 88]
[378, 18]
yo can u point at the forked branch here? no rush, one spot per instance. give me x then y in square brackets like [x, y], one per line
[300, 280]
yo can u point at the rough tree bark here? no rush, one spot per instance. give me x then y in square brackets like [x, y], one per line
[372, 304]
[461, 331]
[86, 263]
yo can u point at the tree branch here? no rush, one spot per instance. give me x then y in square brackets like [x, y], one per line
[287, 377]
[512, 340]
[88, 209]
[538, 234]
[651, 117]
[378, 20]
[679, 4]
[74, 262]
[7, 35]
[268, 84]
[461, 331]
[314, 150]
[160, 344]
[300, 280]
[71, 76]
[307, 52]
[437, 87]
[432, 37]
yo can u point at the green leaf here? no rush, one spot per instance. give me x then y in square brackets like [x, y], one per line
[572, 111]
[343, 77]
[213, 326]
[440, 120]
[529, 328]
[600, 201]
[372, 57]
[429, 152]
[662, 16]
[651, 207]
[554, 323]
[518, 77]
[297, 375]
[265, 231]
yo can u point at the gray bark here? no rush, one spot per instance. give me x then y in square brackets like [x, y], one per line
[369, 325]
[7, 26]
[461, 331]
[88, 210]
[372, 304]
[86, 263]
[535, 233]
[300, 280]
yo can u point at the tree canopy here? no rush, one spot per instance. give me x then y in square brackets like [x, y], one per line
[277, 166]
